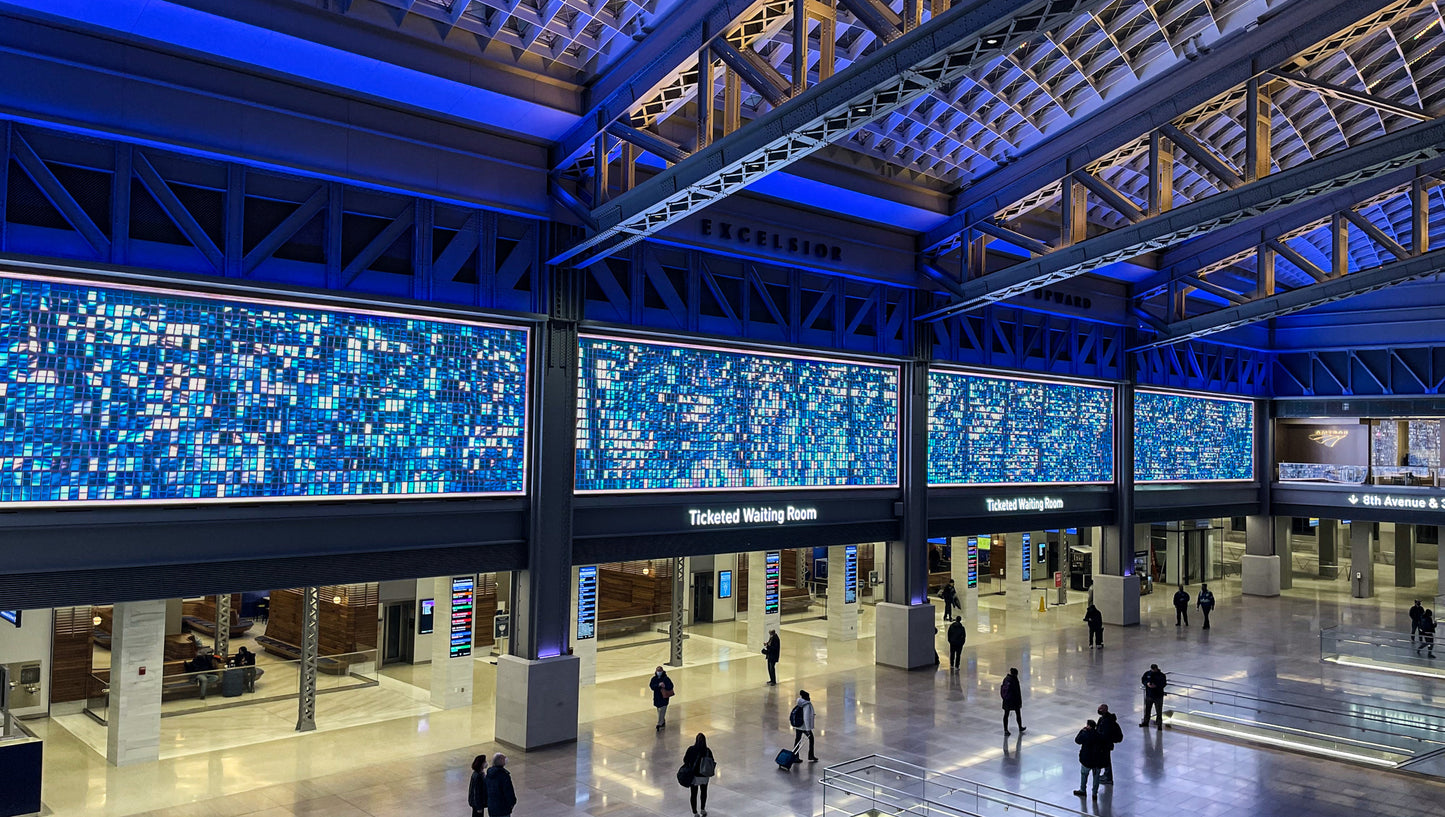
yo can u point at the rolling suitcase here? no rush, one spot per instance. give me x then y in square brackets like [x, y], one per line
[233, 681]
[787, 757]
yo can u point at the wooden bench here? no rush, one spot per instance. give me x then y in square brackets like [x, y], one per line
[331, 665]
[208, 627]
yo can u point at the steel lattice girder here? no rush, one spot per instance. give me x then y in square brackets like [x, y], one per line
[914, 65]
[1296, 300]
[1153, 104]
[1300, 183]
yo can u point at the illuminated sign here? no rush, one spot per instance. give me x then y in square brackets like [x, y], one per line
[12, 616]
[1026, 557]
[426, 619]
[708, 517]
[1019, 504]
[772, 578]
[850, 574]
[586, 602]
[1329, 437]
[1409, 503]
[1189, 438]
[972, 562]
[463, 592]
[725, 584]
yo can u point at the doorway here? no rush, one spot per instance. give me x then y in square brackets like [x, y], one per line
[702, 596]
[398, 632]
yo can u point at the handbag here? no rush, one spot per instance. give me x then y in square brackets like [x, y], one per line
[685, 775]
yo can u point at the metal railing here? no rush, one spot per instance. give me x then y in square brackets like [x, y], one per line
[881, 784]
[1330, 725]
[1381, 649]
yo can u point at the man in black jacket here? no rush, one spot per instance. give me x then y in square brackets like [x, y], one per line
[1111, 733]
[1092, 756]
[1416, 613]
[956, 638]
[1181, 606]
[772, 650]
[1205, 603]
[1095, 620]
[1012, 694]
[501, 798]
[1154, 682]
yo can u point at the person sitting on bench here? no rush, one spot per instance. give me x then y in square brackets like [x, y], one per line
[246, 660]
[204, 665]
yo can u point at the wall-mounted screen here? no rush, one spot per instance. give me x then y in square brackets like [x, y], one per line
[1189, 438]
[123, 394]
[663, 417]
[12, 616]
[725, 584]
[1026, 557]
[463, 600]
[850, 574]
[1005, 431]
[586, 602]
[972, 562]
[772, 582]
[426, 617]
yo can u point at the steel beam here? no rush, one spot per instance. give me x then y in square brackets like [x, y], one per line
[1335, 289]
[1316, 177]
[754, 70]
[1343, 94]
[679, 608]
[223, 625]
[650, 142]
[310, 636]
[876, 17]
[1229, 64]
[916, 64]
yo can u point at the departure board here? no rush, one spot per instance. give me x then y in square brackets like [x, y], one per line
[1026, 557]
[655, 416]
[463, 601]
[1005, 431]
[772, 582]
[850, 574]
[125, 394]
[972, 562]
[1189, 438]
[586, 602]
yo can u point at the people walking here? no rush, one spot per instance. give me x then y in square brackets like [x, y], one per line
[1013, 699]
[1427, 634]
[699, 758]
[1095, 620]
[1111, 733]
[1154, 682]
[949, 594]
[957, 636]
[1181, 606]
[772, 650]
[662, 692]
[477, 788]
[501, 798]
[1205, 603]
[1417, 612]
[801, 719]
[1092, 756]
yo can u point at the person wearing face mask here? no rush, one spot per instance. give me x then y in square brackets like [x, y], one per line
[661, 687]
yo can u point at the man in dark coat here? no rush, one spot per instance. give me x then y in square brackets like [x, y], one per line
[1013, 699]
[956, 638]
[1416, 613]
[772, 650]
[501, 799]
[1111, 733]
[1205, 604]
[1092, 756]
[1181, 606]
[949, 594]
[1154, 682]
[1095, 620]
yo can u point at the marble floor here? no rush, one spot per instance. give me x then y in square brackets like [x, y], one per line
[620, 766]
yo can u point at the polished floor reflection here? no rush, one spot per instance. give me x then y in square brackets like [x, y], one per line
[415, 764]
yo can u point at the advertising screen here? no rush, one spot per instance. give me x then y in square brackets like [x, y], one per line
[850, 574]
[1189, 438]
[1026, 557]
[586, 602]
[126, 394]
[463, 598]
[1005, 431]
[772, 580]
[426, 617]
[663, 417]
[725, 584]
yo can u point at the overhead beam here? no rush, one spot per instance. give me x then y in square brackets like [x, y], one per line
[1229, 64]
[876, 17]
[650, 142]
[914, 65]
[1343, 94]
[754, 70]
[1296, 300]
[1299, 183]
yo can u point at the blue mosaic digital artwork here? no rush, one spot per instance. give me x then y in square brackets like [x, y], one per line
[1182, 438]
[661, 417]
[119, 394]
[991, 430]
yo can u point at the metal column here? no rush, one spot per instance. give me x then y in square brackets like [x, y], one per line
[310, 632]
[679, 607]
[223, 624]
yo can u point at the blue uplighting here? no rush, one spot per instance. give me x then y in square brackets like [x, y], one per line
[662, 417]
[1182, 438]
[132, 394]
[992, 430]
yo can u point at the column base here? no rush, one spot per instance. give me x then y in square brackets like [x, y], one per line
[536, 701]
[1117, 598]
[905, 635]
[1330, 572]
[1259, 575]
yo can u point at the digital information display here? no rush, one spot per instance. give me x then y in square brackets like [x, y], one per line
[655, 417]
[972, 562]
[850, 574]
[1026, 557]
[772, 579]
[725, 584]
[586, 602]
[1004, 431]
[463, 598]
[12, 616]
[426, 619]
[1187, 438]
[120, 394]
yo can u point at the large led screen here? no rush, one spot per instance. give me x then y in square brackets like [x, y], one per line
[654, 416]
[121, 394]
[1004, 431]
[1185, 438]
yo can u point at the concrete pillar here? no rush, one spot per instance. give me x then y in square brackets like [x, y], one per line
[967, 596]
[1211, 546]
[906, 620]
[584, 649]
[724, 608]
[1173, 556]
[1261, 568]
[842, 613]
[536, 701]
[175, 609]
[137, 667]
[759, 620]
[1018, 589]
[1117, 596]
[1327, 535]
[1362, 560]
[1404, 555]
[451, 678]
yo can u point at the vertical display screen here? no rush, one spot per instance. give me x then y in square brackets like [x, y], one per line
[426, 618]
[972, 562]
[463, 598]
[772, 578]
[725, 584]
[586, 602]
[1026, 557]
[850, 574]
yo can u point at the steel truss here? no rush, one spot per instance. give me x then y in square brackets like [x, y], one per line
[1397, 370]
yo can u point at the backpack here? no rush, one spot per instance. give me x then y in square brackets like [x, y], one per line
[795, 718]
[706, 766]
[1114, 733]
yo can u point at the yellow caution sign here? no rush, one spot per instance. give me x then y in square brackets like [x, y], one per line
[1042, 608]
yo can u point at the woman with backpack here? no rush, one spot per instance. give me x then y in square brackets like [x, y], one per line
[801, 719]
[477, 789]
[699, 759]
